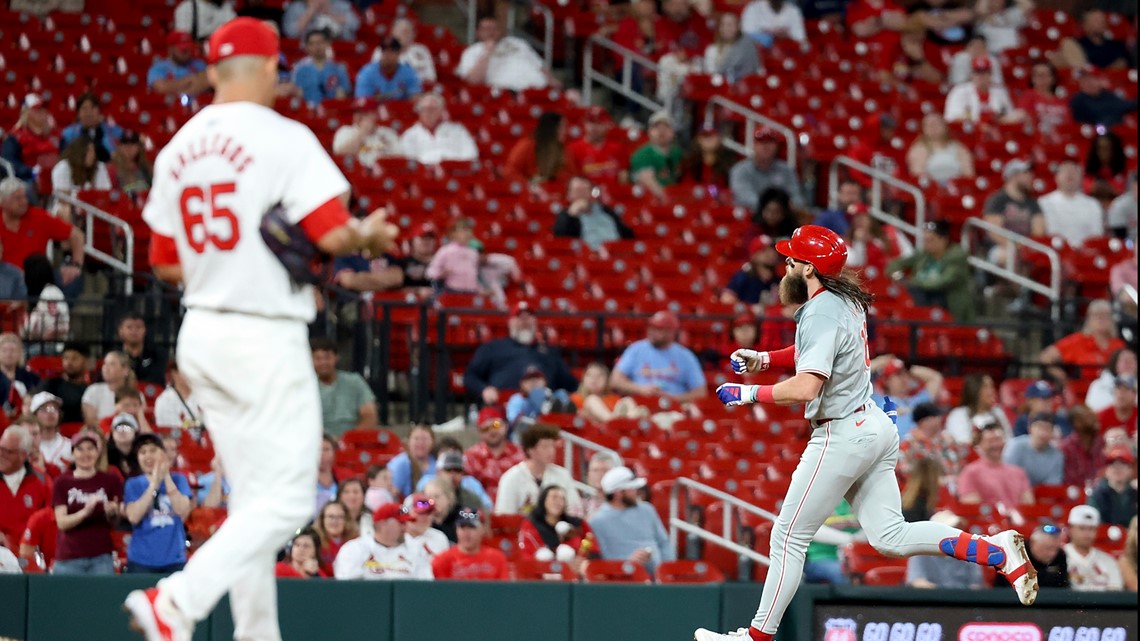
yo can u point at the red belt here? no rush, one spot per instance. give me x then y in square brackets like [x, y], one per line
[824, 421]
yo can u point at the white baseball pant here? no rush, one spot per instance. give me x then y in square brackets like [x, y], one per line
[254, 378]
[852, 458]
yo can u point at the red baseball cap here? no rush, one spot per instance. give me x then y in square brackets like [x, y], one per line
[391, 511]
[489, 414]
[1120, 453]
[243, 37]
[425, 229]
[180, 40]
[895, 366]
[766, 134]
[760, 242]
[744, 319]
[858, 209]
[532, 371]
[982, 63]
[664, 320]
[521, 307]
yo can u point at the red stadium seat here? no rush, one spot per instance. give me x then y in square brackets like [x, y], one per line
[531, 570]
[885, 576]
[616, 572]
[688, 572]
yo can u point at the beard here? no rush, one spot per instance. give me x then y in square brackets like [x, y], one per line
[629, 500]
[524, 336]
[793, 290]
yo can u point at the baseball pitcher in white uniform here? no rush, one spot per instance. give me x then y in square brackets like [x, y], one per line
[243, 344]
[854, 444]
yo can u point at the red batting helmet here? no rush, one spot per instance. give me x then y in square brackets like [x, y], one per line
[818, 246]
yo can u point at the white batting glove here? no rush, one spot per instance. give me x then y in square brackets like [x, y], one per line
[749, 360]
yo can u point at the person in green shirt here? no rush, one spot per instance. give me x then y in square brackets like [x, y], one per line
[658, 164]
[821, 564]
[940, 273]
[346, 400]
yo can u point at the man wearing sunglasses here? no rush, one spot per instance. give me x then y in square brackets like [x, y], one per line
[493, 454]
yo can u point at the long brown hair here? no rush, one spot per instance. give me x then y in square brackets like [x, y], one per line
[75, 155]
[128, 173]
[848, 285]
[351, 528]
[548, 149]
[923, 484]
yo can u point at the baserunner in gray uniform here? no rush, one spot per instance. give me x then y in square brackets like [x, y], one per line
[854, 444]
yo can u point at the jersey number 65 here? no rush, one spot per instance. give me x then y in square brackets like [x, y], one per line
[207, 219]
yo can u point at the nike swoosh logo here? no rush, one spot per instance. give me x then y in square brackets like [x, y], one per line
[860, 423]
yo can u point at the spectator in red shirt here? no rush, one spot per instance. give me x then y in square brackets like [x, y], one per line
[1089, 348]
[469, 559]
[30, 493]
[598, 157]
[542, 156]
[1122, 413]
[679, 25]
[493, 454]
[988, 480]
[26, 231]
[37, 546]
[1040, 103]
[32, 145]
[301, 558]
[877, 22]
[876, 149]
[1083, 448]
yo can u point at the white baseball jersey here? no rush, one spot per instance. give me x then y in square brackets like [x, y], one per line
[364, 558]
[215, 181]
[831, 340]
[428, 544]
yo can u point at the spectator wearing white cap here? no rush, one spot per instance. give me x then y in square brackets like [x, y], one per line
[627, 528]
[1035, 453]
[658, 365]
[1114, 497]
[46, 408]
[383, 556]
[519, 487]
[1090, 569]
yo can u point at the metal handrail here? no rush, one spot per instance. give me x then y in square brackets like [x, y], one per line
[625, 88]
[570, 440]
[547, 31]
[127, 266]
[471, 13]
[878, 179]
[1009, 270]
[826, 534]
[751, 119]
[8, 168]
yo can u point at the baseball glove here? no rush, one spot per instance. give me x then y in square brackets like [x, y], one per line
[305, 263]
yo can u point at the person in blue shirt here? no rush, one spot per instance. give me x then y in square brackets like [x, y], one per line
[157, 502]
[658, 366]
[758, 281]
[89, 121]
[180, 73]
[907, 387]
[838, 220]
[388, 78]
[316, 76]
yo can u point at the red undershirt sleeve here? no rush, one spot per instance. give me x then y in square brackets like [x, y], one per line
[324, 219]
[783, 357]
[163, 250]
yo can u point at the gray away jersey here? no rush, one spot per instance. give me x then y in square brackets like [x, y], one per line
[831, 340]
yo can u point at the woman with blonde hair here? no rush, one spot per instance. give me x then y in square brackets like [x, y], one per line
[99, 398]
[131, 169]
[936, 155]
[33, 141]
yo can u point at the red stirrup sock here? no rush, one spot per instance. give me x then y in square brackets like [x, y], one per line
[758, 635]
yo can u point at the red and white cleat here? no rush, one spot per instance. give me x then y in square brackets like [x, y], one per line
[708, 635]
[1017, 569]
[154, 616]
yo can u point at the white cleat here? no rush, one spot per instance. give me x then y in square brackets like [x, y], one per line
[154, 616]
[708, 635]
[1017, 569]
